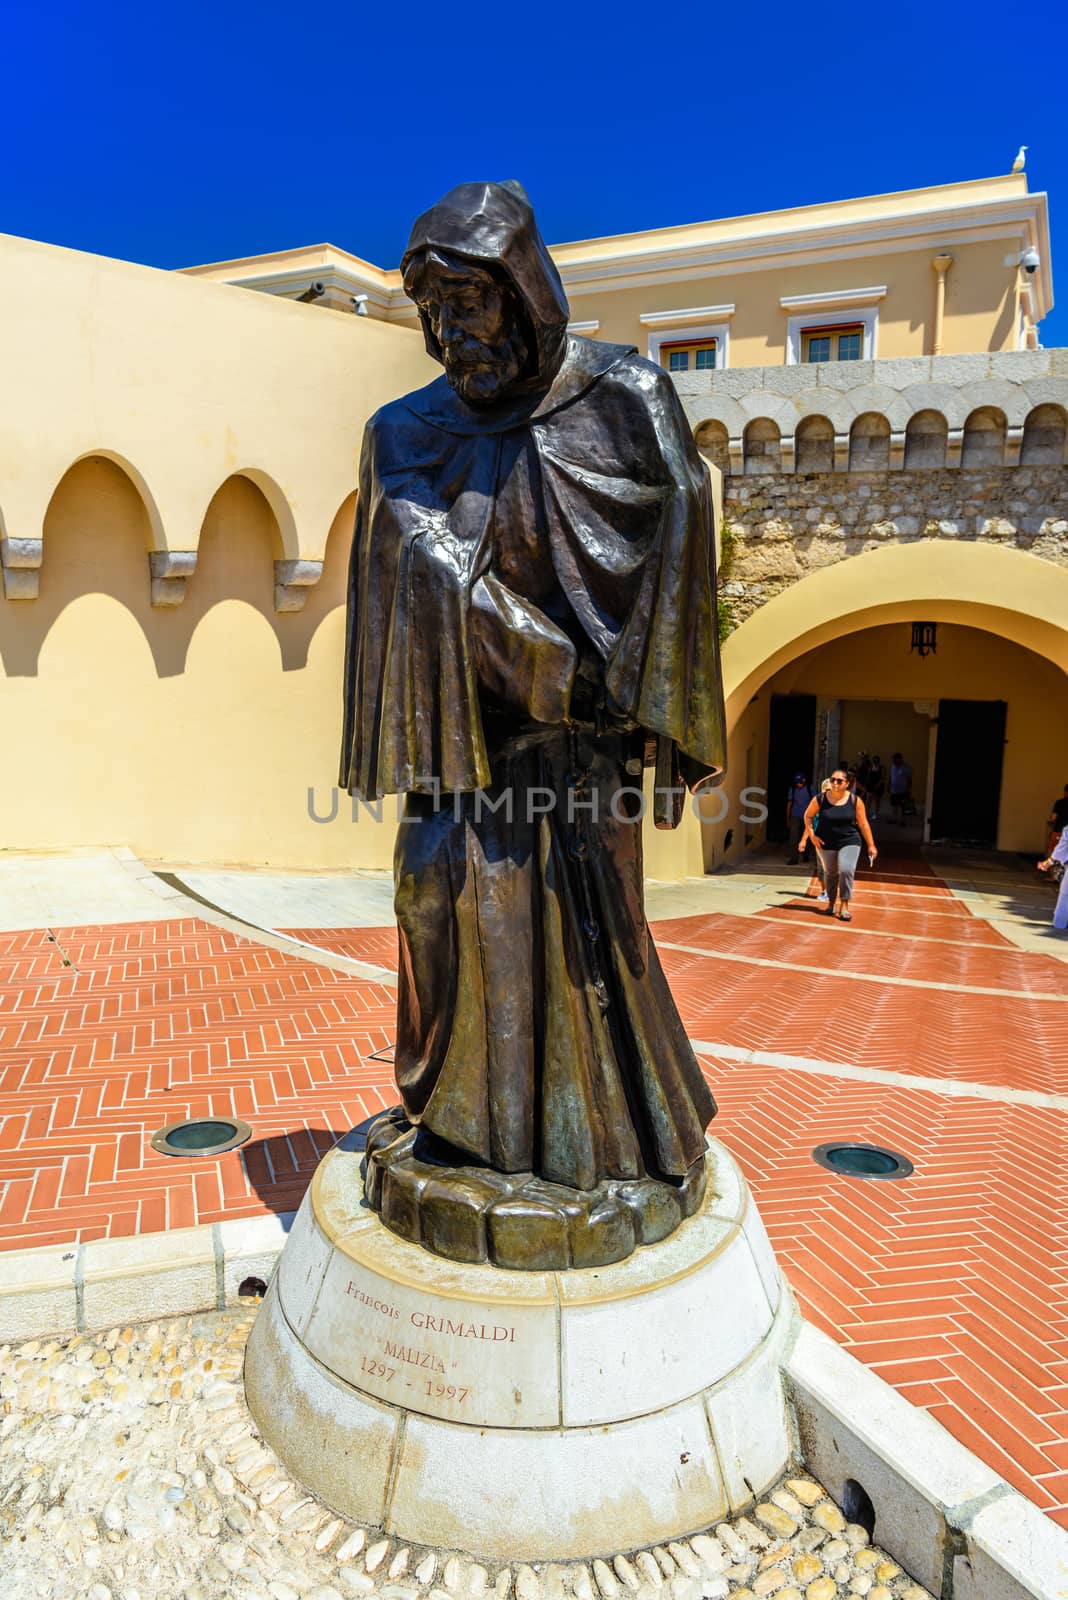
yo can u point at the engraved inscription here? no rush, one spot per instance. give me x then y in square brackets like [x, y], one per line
[414, 1358]
[468, 1360]
[389, 1358]
[370, 1302]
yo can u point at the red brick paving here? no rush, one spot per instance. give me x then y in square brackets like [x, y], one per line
[939, 922]
[953, 1284]
[155, 1022]
[992, 1039]
[821, 941]
[376, 946]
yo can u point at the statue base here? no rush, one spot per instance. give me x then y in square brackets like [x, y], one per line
[519, 1414]
[431, 1195]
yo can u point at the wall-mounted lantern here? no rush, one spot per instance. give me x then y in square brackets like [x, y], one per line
[925, 638]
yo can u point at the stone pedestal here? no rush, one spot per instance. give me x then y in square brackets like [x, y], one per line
[525, 1414]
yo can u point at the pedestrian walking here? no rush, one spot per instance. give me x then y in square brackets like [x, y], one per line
[797, 802]
[1059, 853]
[900, 785]
[840, 833]
[875, 783]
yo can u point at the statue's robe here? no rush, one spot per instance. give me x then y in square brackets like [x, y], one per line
[503, 563]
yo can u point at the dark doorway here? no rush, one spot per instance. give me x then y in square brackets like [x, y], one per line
[791, 740]
[967, 778]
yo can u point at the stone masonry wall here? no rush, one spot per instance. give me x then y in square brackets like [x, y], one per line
[782, 526]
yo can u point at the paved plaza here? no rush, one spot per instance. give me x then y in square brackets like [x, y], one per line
[936, 1024]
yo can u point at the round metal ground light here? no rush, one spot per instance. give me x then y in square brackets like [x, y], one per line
[201, 1136]
[851, 1160]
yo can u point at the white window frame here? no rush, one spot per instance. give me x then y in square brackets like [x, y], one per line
[806, 312]
[818, 320]
[686, 324]
[720, 331]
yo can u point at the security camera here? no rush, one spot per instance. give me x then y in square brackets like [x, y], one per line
[359, 304]
[1029, 260]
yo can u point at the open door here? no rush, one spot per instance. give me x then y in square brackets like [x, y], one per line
[791, 739]
[967, 779]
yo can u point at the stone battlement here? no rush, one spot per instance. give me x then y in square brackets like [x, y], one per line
[927, 413]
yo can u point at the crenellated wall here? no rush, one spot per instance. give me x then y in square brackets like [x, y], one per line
[829, 461]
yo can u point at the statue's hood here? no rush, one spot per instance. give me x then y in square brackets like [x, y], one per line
[493, 224]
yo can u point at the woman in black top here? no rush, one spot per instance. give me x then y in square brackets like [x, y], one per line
[843, 828]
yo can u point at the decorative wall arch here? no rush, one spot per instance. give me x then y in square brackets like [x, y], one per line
[762, 446]
[1044, 435]
[814, 444]
[289, 546]
[293, 574]
[22, 555]
[940, 397]
[869, 443]
[1011, 399]
[985, 433]
[157, 539]
[834, 404]
[718, 408]
[925, 440]
[713, 441]
[893, 404]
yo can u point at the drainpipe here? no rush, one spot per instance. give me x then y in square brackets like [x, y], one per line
[941, 265]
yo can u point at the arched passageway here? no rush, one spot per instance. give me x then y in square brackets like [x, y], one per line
[830, 641]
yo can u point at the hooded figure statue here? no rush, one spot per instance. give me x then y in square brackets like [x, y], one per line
[531, 620]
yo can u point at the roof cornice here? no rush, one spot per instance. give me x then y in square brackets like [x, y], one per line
[1020, 217]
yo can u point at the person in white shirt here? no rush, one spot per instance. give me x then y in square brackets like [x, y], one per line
[1059, 853]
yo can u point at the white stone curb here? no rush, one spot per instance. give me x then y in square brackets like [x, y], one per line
[950, 1521]
[82, 1288]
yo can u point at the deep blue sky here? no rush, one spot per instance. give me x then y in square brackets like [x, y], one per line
[174, 135]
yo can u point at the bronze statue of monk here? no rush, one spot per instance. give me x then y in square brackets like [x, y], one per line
[532, 620]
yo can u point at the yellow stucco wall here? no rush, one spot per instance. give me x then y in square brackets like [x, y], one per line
[146, 411]
[980, 303]
[184, 383]
[752, 261]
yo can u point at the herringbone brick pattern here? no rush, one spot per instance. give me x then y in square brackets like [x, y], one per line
[377, 946]
[939, 1033]
[821, 941]
[152, 1023]
[951, 1284]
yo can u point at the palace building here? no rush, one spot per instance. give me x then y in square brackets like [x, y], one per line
[865, 378]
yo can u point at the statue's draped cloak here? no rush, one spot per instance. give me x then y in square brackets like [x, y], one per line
[631, 542]
[500, 557]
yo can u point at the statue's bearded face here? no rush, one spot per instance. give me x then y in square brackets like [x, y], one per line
[475, 318]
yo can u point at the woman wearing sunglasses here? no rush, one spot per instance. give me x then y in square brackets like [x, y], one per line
[843, 829]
